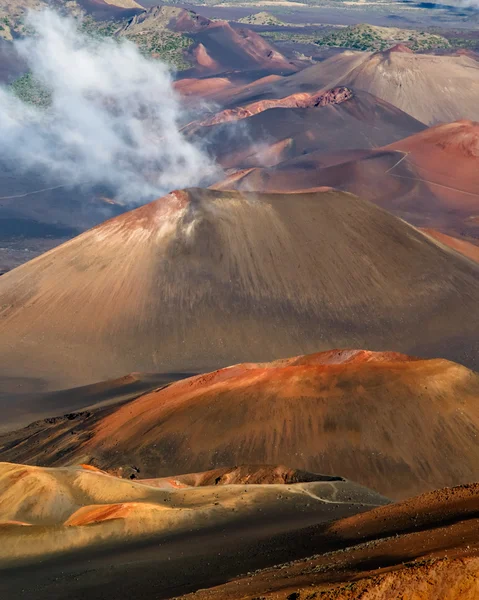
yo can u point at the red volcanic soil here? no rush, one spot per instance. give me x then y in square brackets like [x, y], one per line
[399, 48]
[430, 178]
[462, 246]
[241, 48]
[203, 59]
[421, 549]
[100, 513]
[220, 47]
[446, 159]
[396, 424]
[220, 89]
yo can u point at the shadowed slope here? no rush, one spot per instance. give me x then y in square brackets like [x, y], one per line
[396, 424]
[60, 504]
[201, 279]
[243, 475]
[422, 549]
[361, 121]
[399, 548]
[32, 403]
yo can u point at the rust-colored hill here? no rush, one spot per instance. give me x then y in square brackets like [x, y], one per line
[201, 279]
[430, 178]
[396, 424]
[462, 246]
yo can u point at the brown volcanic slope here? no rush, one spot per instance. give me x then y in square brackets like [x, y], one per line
[422, 549]
[217, 46]
[431, 88]
[430, 178]
[396, 424]
[362, 121]
[45, 512]
[200, 279]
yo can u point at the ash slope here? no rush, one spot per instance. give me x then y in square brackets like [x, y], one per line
[395, 424]
[201, 279]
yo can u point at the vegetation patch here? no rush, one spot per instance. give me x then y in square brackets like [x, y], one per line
[262, 18]
[372, 38]
[165, 45]
[30, 90]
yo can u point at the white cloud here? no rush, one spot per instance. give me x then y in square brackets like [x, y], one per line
[114, 118]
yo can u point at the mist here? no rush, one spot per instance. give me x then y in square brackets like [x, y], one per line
[114, 118]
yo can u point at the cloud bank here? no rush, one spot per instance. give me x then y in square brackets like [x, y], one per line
[114, 117]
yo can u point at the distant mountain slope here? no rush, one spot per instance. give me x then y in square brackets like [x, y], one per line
[209, 46]
[432, 89]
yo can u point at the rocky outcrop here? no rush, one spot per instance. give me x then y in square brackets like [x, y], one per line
[302, 100]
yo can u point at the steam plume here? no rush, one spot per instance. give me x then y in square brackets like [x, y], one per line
[114, 118]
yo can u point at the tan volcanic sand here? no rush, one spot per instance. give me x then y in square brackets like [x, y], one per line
[62, 505]
[202, 278]
[431, 88]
